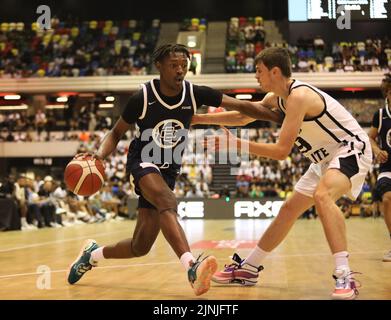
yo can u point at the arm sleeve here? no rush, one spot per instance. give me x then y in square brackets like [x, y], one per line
[134, 108]
[375, 120]
[207, 96]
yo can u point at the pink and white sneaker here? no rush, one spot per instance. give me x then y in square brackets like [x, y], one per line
[345, 285]
[238, 273]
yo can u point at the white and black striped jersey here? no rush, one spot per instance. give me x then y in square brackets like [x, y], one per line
[162, 122]
[382, 121]
[320, 137]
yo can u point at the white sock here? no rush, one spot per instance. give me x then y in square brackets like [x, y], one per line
[341, 260]
[186, 258]
[23, 221]
[256, 256]
[97, 254]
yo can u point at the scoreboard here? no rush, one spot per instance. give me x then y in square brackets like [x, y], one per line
[317, 10]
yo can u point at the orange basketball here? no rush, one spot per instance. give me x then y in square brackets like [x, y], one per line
[84, 175]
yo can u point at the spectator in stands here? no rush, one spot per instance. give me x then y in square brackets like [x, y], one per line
[21, 199]
[9, 210]
[225, 192]
[109, 201]
[40, 122]
[34, 215]
[179, 193]
[47, 204]
[193, 64]
[242, 187]
[194, 193]
[256, 191]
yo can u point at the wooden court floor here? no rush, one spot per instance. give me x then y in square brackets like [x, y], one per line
[300, 268]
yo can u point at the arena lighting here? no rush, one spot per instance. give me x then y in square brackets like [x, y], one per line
[86, 95]
[55, 106]
[62, 99]
[110, 99]
[106, 105]
[12, 97]
[242, 91]
[353, 89]
[20, 107]
[67, 94]
[244, 96]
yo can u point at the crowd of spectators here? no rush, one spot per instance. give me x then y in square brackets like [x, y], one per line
[194, 24]
[98, 48]
[246, 38]
[90, 121]
[313, 55]
[45, 202]
[74, 49]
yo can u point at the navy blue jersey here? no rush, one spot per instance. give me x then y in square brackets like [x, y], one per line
[162, 122]
[382, 121]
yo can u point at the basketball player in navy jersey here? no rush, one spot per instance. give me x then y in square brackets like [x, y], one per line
[381, 131]
[340, 152]
[162, 111]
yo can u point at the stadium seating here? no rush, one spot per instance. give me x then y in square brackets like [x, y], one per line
[73, 49]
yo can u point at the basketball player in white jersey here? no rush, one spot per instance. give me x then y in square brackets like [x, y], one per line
[340, 152]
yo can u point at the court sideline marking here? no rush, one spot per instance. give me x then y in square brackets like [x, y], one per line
[175, 262]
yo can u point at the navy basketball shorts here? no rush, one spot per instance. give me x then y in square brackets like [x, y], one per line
[139, 169]
[383, 185]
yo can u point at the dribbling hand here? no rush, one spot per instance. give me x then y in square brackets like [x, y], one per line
[90, 155]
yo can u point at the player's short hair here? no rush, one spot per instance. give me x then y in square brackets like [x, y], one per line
[386, 84]
[166, 49]
[276, 57]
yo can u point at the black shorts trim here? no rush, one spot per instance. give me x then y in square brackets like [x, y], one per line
[349, 166]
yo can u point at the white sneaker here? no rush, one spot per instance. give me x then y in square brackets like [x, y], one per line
[67, 224]
[345, 285]
[28, 227]
[91, 220]
[55, 225]
[81, 214]
[71, 215]
[387, 257]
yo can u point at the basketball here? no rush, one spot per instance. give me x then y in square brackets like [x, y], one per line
[84, 176]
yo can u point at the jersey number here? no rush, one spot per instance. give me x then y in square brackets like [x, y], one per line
[303, 145]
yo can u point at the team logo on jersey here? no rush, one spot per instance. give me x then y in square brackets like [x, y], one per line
[388, 138]
[165, 133]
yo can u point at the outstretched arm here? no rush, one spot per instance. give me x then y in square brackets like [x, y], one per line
[267, 108]
[289, 131]
[229, 118]
[111, 139]
[255, 110]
